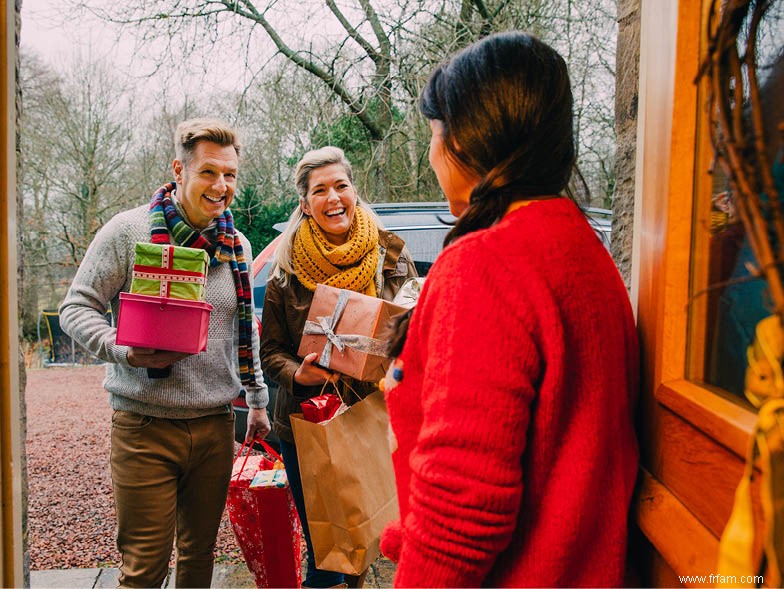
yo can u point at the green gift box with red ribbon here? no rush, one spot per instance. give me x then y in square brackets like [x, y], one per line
[170, 271]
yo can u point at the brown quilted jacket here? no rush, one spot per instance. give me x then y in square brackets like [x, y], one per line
[282, 321]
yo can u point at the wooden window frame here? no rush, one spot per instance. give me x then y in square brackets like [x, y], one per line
[727, 421]
[705, 407]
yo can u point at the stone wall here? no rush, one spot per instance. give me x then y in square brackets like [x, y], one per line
[626, 97]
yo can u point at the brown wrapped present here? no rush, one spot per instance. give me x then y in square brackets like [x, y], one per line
[344, 328]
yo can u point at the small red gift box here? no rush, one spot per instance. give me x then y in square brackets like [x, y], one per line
[321, 408]
[346, 329]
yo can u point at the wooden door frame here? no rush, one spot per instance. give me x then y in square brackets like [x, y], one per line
[681, 423]
[11, 442]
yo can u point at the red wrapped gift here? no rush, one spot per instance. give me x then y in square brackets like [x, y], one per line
[346, 329]
[265, 523]
[321, 408]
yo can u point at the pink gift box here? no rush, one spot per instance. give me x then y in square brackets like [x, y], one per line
[163, 323]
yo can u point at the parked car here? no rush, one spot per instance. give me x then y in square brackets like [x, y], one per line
[601, 221]
[422, 225]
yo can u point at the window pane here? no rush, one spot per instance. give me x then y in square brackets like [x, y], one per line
[727, 301]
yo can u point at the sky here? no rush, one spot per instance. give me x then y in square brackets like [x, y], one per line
[59, 43]
[41, 30]
[50, 29]
[47, 31]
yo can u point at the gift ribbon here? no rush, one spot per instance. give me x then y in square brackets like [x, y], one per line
[166, 274]
[326, 326]
[153, 273]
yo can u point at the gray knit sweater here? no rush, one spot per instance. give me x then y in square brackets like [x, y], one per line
[202, 384]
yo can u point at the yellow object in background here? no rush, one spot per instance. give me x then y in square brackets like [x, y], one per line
[765, 390]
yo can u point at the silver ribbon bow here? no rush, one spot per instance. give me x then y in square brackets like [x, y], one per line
[326, 326]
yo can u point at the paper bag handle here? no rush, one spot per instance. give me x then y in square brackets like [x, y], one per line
[337, 389]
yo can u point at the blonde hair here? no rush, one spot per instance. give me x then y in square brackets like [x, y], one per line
[282, 266]
[190, 132]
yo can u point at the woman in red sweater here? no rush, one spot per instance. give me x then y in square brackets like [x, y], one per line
[513, 445]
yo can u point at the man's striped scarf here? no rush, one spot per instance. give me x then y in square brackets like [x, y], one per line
[167, 223]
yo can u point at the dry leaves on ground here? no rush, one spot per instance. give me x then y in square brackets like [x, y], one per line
[70, 504]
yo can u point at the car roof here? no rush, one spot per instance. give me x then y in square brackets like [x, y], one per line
[430, 215]
[414, 215]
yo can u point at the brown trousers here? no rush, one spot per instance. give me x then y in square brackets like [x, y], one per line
[169, 475]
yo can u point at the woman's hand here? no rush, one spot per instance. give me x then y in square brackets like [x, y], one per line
[309, 374]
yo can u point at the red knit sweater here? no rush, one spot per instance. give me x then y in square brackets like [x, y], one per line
[516, 455]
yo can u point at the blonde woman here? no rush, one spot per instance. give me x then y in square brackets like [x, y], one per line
[333, 238]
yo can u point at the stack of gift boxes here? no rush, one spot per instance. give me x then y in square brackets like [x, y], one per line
[165, 309]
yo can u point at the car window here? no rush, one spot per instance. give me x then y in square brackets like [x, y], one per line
[424, 244]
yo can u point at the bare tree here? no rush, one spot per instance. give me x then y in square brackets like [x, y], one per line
[372, 58]
[92, 137]
[352, 48]
[76, 137]
[36, 150]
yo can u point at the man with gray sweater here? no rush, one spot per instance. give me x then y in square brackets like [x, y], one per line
[172, 436]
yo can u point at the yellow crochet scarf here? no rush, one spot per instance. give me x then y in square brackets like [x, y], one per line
[351, 266]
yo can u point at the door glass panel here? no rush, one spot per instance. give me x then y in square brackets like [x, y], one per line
[726, 299]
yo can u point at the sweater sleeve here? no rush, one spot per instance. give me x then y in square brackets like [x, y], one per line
[276, 359]
[480, 366]
[100, 278]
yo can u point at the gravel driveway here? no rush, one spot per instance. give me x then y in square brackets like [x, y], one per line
[71, 509]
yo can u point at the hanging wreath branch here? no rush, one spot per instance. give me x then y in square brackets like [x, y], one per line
[737, 133]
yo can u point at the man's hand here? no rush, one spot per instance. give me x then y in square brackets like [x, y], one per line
[149, 358]
[309, 374]
[258, 424]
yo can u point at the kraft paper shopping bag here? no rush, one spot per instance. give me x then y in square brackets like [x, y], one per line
[348, 483]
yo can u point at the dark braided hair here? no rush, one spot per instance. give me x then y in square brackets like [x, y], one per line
[506, 107]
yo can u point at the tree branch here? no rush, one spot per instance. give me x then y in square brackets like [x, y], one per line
[381, 36]
[500, 8]
[723, 67]
[352, 32]
[481, 8]
[356, 106]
